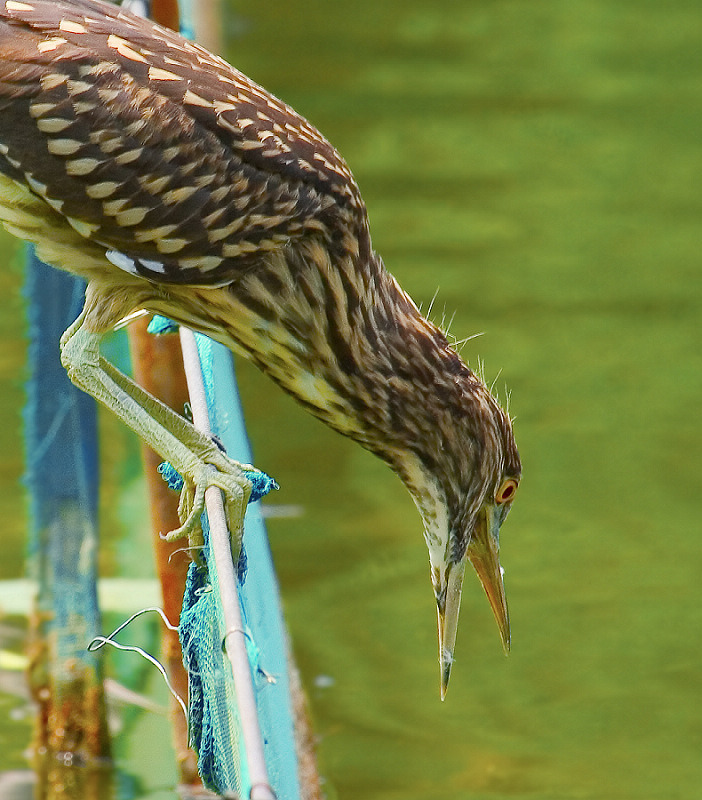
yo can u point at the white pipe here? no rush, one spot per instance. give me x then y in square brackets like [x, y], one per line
[220, 541]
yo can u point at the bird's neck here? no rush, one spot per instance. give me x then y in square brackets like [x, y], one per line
[339, 334]
[359, 353]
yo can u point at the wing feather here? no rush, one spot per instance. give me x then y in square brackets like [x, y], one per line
[154, 148]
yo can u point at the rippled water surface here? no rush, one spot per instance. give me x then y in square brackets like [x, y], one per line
[538, 164]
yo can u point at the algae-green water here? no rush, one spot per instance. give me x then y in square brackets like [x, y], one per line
[538, 164]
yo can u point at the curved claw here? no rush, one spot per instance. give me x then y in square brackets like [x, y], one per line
[190, 508]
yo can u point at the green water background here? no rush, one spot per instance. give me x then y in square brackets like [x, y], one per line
[539, 164]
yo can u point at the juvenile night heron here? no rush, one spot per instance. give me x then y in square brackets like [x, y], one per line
[173, 183]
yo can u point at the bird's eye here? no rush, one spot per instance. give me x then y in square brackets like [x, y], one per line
[506, 491]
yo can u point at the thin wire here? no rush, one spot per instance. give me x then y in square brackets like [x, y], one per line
[100, 641]
[220, 541]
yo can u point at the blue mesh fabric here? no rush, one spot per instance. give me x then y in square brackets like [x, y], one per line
[213, 721]
[214, 729]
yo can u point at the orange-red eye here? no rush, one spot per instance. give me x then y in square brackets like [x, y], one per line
[506, 491]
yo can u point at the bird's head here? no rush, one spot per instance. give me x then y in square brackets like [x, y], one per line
[463, 480]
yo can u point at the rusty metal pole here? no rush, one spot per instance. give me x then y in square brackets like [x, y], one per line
[157, 364]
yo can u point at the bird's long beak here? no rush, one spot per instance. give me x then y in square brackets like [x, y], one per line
[483, 554]
[449, 605]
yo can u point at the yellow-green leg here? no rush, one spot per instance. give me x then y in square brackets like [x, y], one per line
[196, 457]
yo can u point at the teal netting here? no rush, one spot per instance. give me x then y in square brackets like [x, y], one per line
[213, 723]
[213, 720]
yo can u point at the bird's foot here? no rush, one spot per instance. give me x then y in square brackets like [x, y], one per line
[211, 469]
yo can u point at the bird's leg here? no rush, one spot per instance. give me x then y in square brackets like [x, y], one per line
[195, 456]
